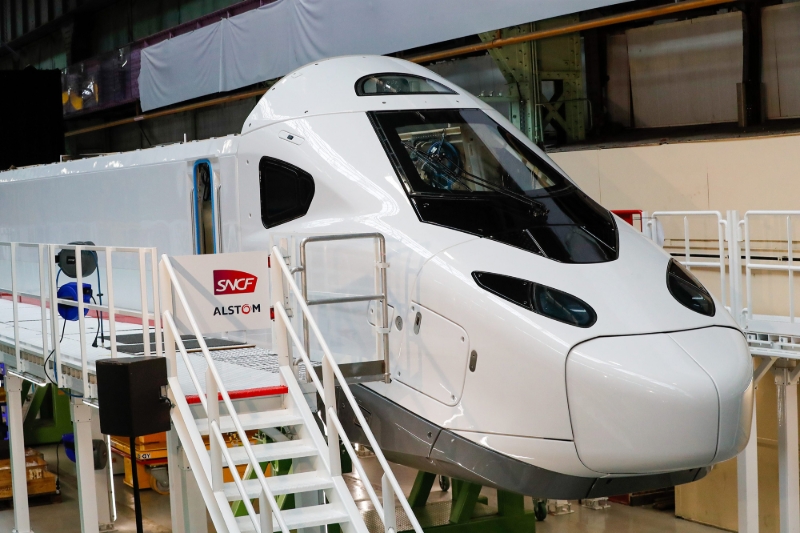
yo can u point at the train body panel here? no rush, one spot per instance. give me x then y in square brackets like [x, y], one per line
[538, 344]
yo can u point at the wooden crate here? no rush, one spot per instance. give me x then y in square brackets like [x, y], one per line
[647, 497]
[35, 464]
[143, 474]
[713, 500]
[42, 485]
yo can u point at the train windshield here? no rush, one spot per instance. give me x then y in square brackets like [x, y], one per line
[464, 151]
[463, 170]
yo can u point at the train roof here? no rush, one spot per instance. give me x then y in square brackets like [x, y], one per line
[328, 86]
[184, 151]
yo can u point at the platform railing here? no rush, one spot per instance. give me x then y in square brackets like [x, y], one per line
[48, 297]
[380, 285]
[210, 404]
[331, 374]
[790, 268]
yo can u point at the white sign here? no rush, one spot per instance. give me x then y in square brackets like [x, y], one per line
[226, 292]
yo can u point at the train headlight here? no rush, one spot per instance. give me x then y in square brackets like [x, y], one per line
[538, 298]
[686, 288]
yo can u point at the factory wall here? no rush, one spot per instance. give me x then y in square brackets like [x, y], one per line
[742, 174]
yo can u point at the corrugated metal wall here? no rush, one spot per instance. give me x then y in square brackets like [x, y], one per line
[686, 72]
[781, 67]
[619, 80]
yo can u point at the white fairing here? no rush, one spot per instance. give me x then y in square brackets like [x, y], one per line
[652, 386]
[640, 392]
[732, 378]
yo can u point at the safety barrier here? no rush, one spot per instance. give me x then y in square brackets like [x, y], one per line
[331, 374]
[772, 337]
[48, 298]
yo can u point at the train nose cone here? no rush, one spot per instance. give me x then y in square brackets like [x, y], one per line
[669, 401]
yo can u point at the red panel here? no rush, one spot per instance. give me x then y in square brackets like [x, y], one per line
[247, 393]
[122, 319]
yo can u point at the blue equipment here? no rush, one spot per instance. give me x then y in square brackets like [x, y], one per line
[69, 291]
[445, 161]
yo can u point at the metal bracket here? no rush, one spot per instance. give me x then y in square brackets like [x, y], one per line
[36, 380]
[794, 374]
[380, 264]
[763, 368]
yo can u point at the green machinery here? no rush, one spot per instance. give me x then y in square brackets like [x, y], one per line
[511, 516]
[48, 417]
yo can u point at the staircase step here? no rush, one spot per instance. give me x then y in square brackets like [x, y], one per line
[264, 419]
[286, 484]
[317, 515]
[274, 451]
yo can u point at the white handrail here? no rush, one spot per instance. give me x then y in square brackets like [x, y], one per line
[48, 291]
[185, 355]
[321, 390]
[357, 463]
[214, 428]
[750, 266]
[328, 357]
[212, 372]
[722, 231]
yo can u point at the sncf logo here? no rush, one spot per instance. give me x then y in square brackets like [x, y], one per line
[233, 282]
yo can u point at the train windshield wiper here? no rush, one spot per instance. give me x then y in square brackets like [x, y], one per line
[465, 178]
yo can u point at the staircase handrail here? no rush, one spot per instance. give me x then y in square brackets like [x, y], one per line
[326, 394]
[217, 387]
[321, 390]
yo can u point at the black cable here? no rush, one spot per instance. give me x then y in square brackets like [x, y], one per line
[100, 299]
[51, 380]
[465, 176]
[99, 323]
[64, 327]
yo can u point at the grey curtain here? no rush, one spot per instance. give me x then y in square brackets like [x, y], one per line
[273, 40]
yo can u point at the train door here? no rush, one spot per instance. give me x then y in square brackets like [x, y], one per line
[205, 208]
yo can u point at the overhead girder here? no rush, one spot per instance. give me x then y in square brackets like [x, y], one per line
[527, 65]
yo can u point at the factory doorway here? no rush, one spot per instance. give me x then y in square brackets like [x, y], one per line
[205, 208]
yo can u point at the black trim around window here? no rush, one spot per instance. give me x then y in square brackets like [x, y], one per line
[541, 299]
[561, 224]
[359, 87]
[286, 191]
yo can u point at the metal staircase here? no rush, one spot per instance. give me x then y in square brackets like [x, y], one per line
[294, 429]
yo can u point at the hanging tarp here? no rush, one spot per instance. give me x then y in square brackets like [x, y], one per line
[273, 40]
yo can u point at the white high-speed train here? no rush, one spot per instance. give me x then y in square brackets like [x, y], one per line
[538, 344]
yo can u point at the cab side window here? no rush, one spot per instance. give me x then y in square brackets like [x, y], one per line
[286, 191]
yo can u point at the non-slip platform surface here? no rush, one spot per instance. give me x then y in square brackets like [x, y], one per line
[240, 369]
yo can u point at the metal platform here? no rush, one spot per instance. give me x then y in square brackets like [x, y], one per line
[242, 369]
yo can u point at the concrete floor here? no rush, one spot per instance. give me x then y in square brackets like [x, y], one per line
[64, 517]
